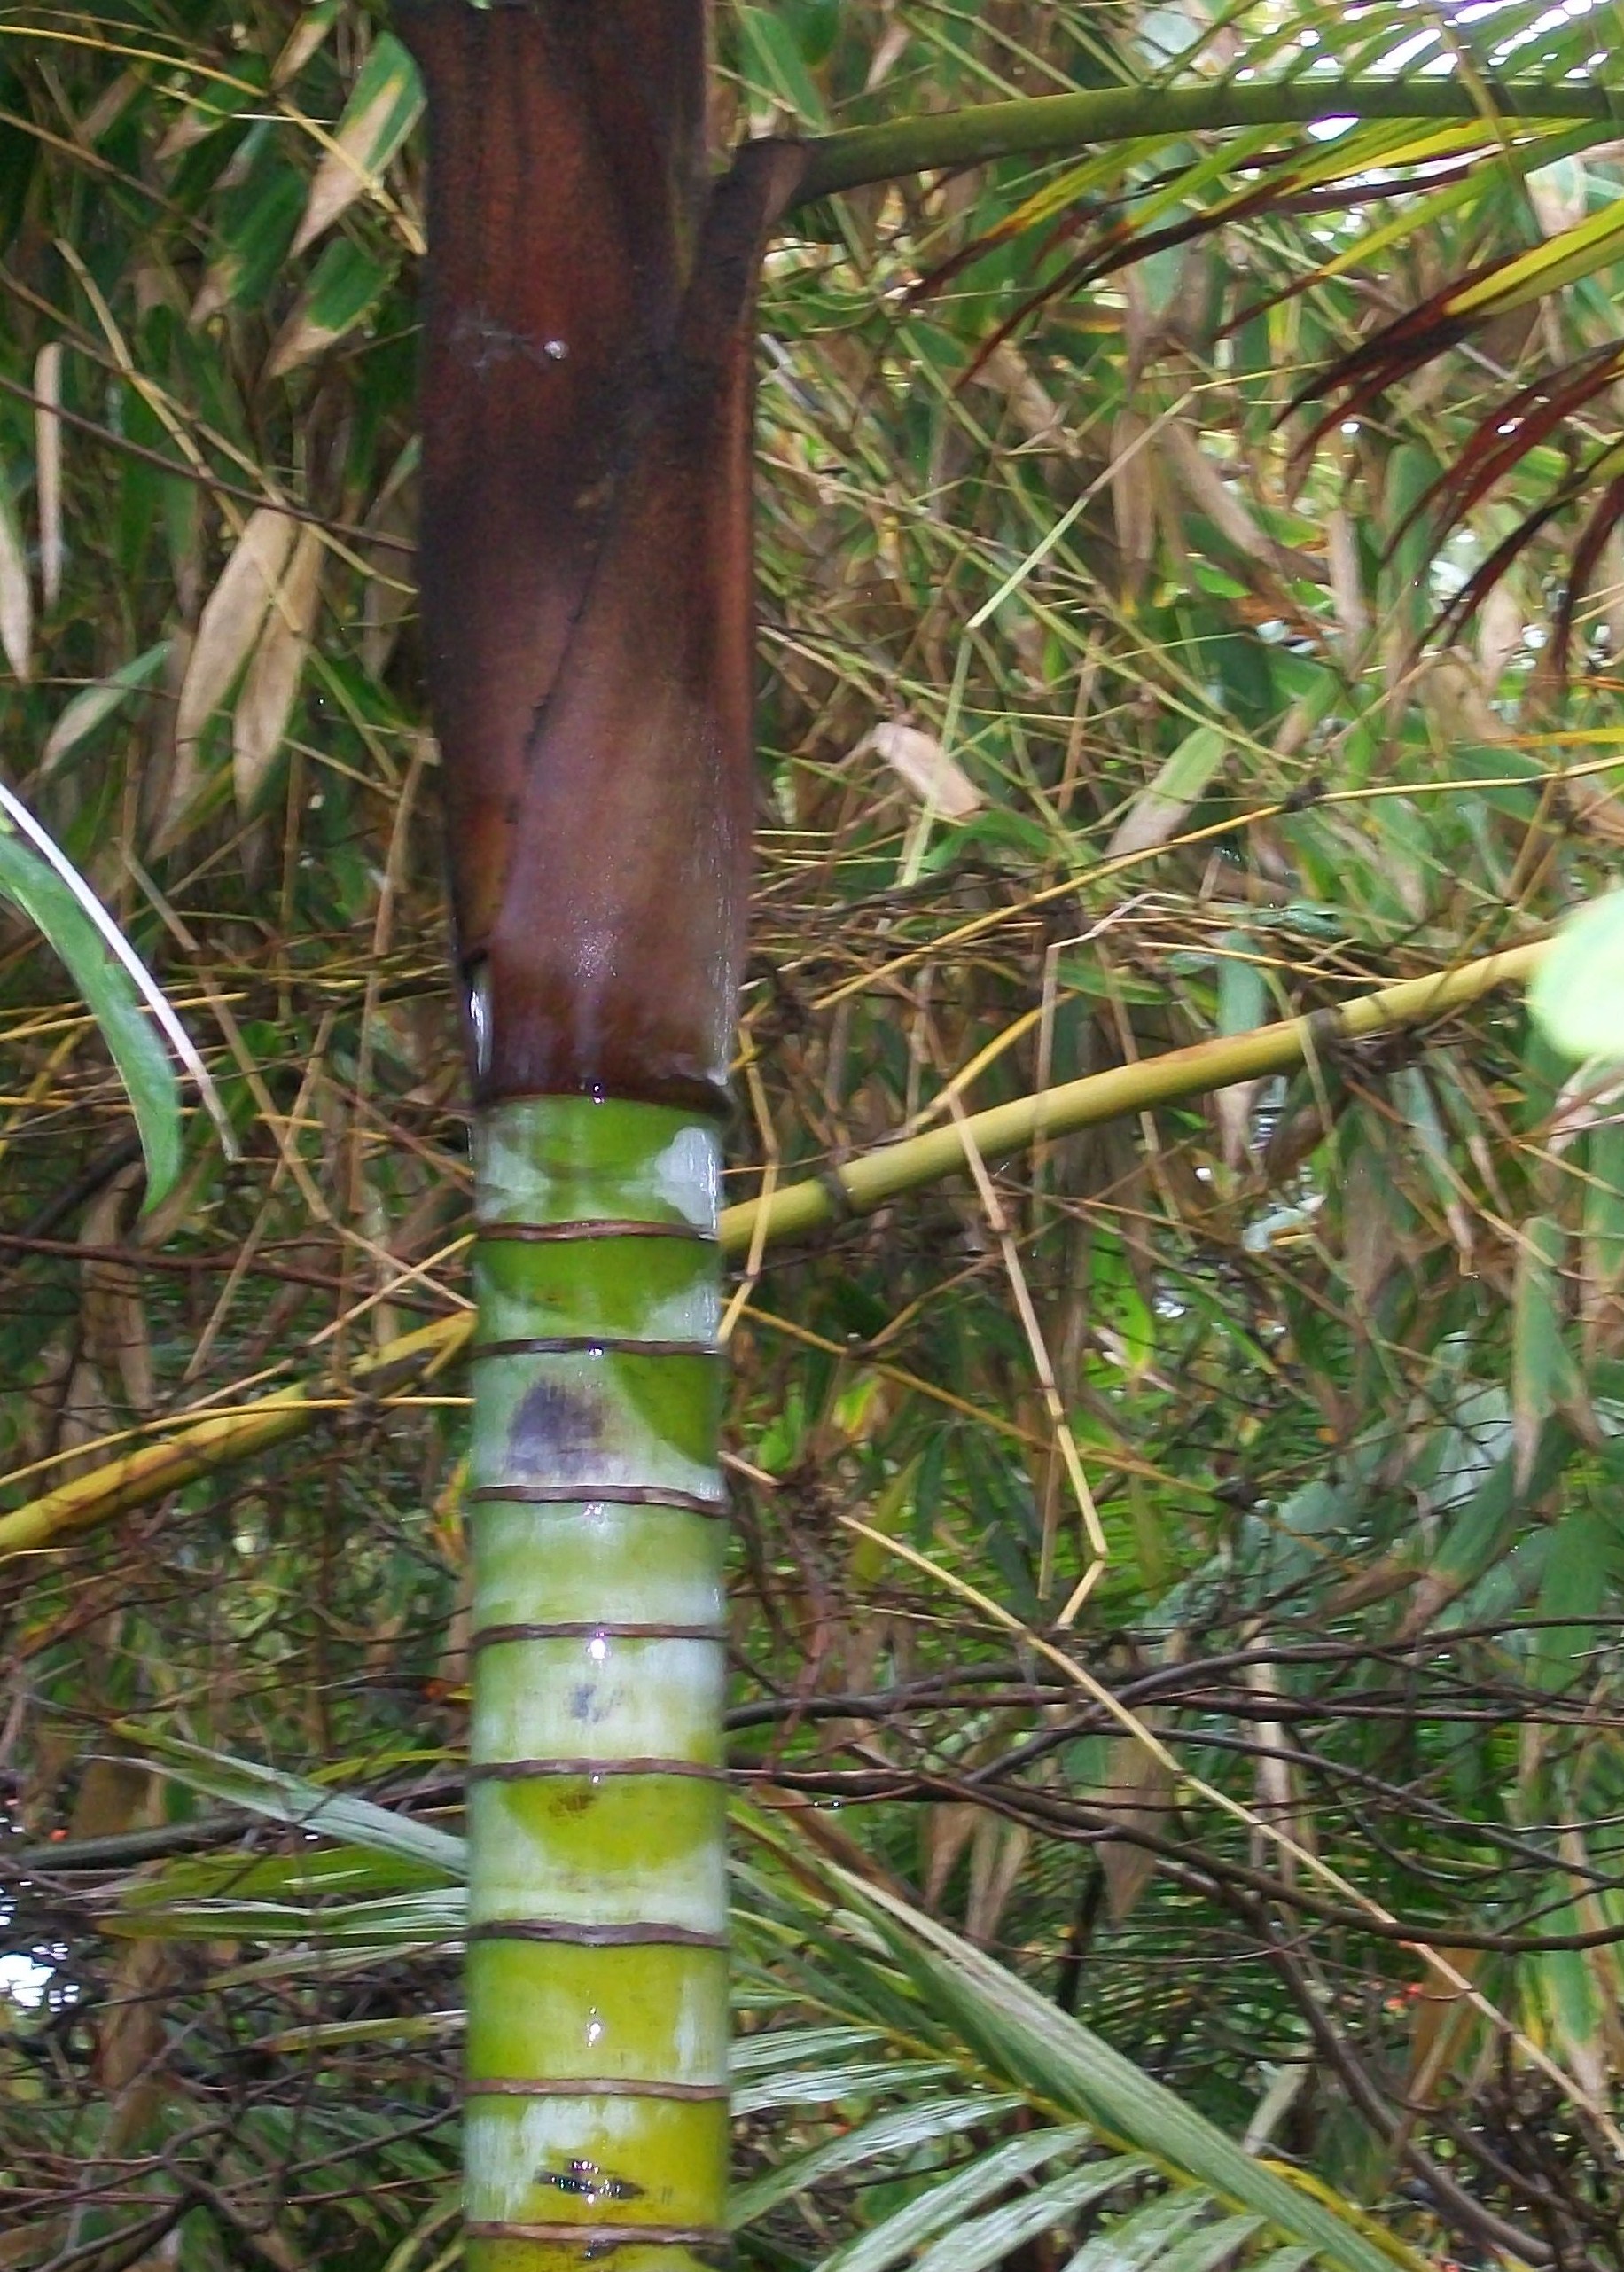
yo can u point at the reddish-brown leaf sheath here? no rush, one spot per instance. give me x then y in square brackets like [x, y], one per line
[585, 535]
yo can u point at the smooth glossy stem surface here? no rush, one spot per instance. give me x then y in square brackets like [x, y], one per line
[1047, 125]
[597, 2119]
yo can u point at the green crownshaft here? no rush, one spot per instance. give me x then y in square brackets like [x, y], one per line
[596, 2120]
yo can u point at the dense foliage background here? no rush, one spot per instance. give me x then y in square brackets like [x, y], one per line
[1112, 700]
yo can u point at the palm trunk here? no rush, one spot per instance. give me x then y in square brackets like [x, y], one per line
[587, 585]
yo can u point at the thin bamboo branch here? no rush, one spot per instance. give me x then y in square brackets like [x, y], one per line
[793, 1211]
[1044, 125]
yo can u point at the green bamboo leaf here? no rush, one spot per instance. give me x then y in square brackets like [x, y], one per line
[1157, 811]
[899, 2130]
[1033, 2044]
[290, 1798]
[1602, 1245]
[813, 2086]
[989, 2240]
[1201, 2251]
[1543, 1371]
[395, 2027]
[1583, 1556]
[256, 225]
[93, 706]
[346, 284]
[430, 1920]
[941, 2204]
[1156, 2235]
[314, 1873]
[113, 999]
[1243, 990]
[793, 2047]
[775, 66]
[1577, 997]
[1564, 1984]
[1591, 244]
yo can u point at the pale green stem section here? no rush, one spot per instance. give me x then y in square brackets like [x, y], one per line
[597, 2121]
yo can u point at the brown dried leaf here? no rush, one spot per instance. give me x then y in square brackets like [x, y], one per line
[271, 687]
[949, 1830]
[1203, 483]
[1442, 2026]
[919, 759]
[1138, 1794]
[1370, 1245]
[1132, 496]
[229, 626]
[997, 1855]
[1456, 702]
[1499, 633]
[308, 34]
[16, 597]
[1032, 406]
[116, 1339]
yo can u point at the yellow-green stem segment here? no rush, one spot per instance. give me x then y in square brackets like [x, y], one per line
[596, 2126]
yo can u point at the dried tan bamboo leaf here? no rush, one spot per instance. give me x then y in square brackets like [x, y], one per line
[1233, 1110]
[16, 596]
[271, 687]
[949, 1830]
[1346, 581]
[920, 761]
[1501, 623]
[1203, 483]
[48, 467]
[891, 46]
[1032, 406]
[997, 1856]
[116, 1339]
[1138, 1794]
[231, 622]
[1132, 496]
[388, 597]
[1456, 700]
[1442, 2026]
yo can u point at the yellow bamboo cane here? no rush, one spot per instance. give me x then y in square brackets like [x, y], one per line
[219, 1440]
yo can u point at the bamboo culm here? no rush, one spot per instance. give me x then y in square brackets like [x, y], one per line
[596, 2074]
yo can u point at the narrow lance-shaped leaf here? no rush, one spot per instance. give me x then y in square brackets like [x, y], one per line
[1028, 2038]
[271, 686]
[93, 705]
[383, 106]
[16, 592]
[113, 998]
